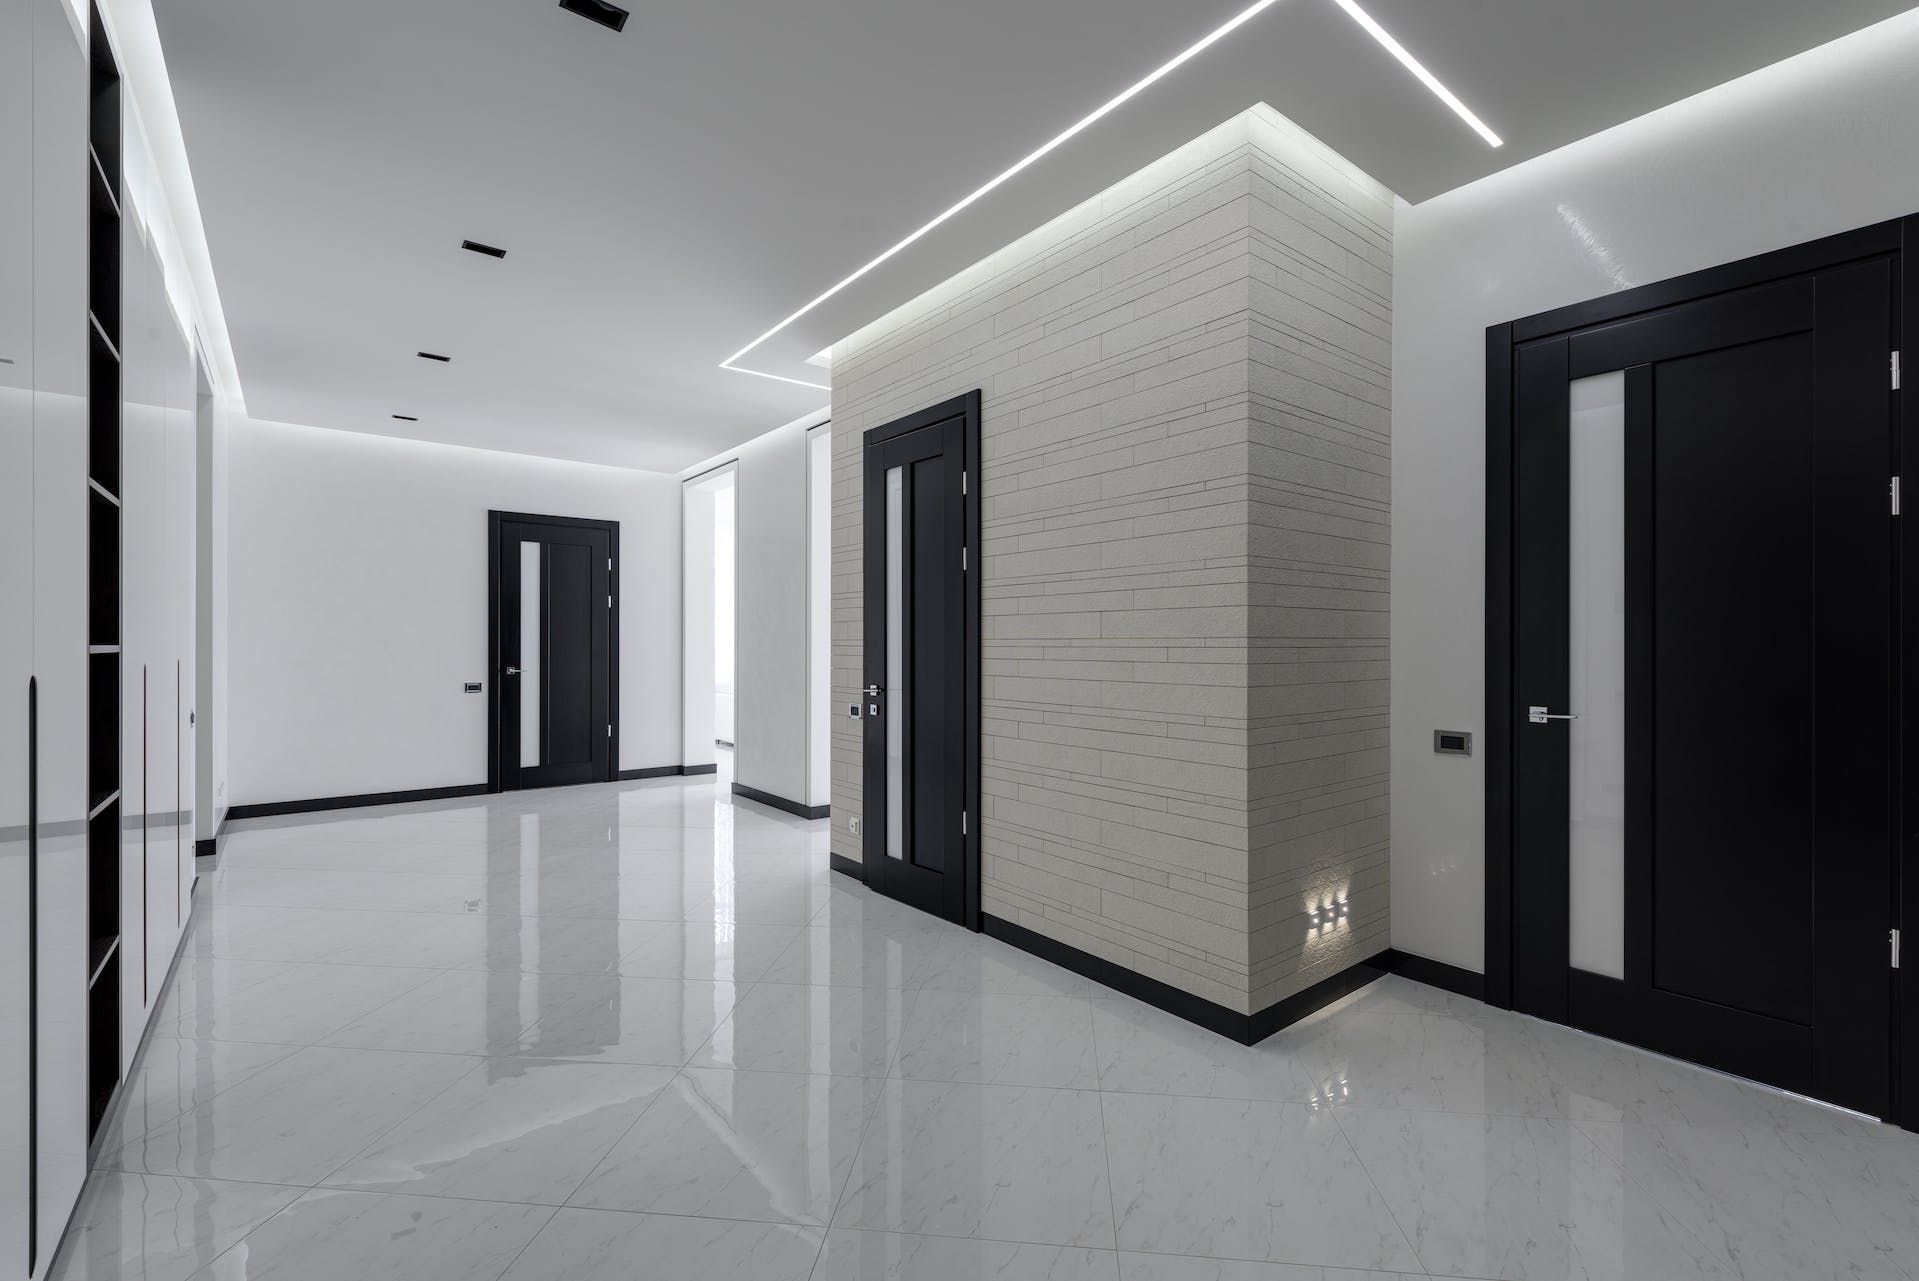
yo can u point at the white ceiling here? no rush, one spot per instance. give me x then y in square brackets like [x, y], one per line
[669, 193]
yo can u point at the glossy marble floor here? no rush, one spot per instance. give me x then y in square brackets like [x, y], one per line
[639, 1031]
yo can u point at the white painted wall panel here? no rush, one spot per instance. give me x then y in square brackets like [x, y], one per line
[1813, 146]
[772, 651]
[358, 606]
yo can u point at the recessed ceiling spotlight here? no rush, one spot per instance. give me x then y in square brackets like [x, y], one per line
[406, 418]
[607, 15]
[1080, 126]
[432, 355]
[478, 248]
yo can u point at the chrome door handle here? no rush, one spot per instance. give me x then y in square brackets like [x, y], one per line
[874, 691]
[1540, 716]
[512, 671]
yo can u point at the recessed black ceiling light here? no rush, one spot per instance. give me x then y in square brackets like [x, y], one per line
[433, 355]
[406, 418]
[607, 15]
[478, 248]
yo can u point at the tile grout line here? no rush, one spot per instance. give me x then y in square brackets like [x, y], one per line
[1373, 1183]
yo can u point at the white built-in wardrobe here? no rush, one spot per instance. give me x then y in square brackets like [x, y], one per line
[96, 835]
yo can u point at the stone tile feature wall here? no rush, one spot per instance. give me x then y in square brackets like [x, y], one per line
[1184, 483]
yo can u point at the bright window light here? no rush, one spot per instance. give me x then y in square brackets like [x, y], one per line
[1413, 65]
[1088, 121]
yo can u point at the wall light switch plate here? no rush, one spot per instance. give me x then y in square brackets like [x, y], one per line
[856, 825]
[1452, 742]
[473, 687]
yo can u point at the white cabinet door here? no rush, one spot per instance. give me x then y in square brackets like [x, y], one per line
[16, 632]
[60, 499]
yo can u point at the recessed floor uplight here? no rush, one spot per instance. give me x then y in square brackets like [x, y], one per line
[406, 418]
[478, 248]
[1100, 113]
[433, 355]
[607, 15]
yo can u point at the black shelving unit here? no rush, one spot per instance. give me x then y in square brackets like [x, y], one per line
[105, 537]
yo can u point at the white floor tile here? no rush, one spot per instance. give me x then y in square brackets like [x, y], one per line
[526, 1130]
[1004, 1162]
[772, 1146]
[601, 1245]
[629, 1030]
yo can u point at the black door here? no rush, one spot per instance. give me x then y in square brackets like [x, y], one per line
[554, 644]
[1702, 574]
[921, 656]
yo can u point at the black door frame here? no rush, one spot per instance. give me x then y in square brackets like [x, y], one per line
[1897, 237]
[967, 409]
[495, 519]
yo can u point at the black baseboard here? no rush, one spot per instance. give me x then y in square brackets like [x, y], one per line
[1247, 1029]
[712, 768]
[847, 867]
[781, 803]
[651, 771]
[1448, 978]
[273, 809]
[209, 848]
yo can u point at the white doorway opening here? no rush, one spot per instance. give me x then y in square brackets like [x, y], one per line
[709, 591]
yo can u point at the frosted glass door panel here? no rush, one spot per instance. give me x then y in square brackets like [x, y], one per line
[897, 708]
[529, 677]
[1597, 662]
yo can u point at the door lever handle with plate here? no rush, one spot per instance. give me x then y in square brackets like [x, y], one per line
[1540, 716]
[512, 671]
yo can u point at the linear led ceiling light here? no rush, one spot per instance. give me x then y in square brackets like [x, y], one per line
[1413, 65]
[1080, 126]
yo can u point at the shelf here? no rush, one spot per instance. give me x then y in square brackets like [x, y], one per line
[105, 184]
[101, 333]
[99, 952]
[102, 803]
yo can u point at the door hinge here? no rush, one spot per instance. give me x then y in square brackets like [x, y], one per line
[962, 822]
[1895, 371]
[609, 562]
[963, 474]
[609, 731]
[1895, 495]
[962, 560]
[609, 600]
[1895, 949]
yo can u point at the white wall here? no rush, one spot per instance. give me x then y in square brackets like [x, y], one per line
[358, 606]
[725, 603]
[1817, 145]
[819, 615]
[770, 645]
[699, 706]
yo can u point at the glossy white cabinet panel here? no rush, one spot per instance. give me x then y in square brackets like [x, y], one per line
[16, 619]
[59, 599]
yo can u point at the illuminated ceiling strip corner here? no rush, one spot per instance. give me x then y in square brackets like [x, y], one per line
[1412, 64]
[1099, 113]
[778, 378]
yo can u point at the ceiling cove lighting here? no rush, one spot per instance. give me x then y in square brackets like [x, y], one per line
[434, 355]
[475, 246]
[607, 15]
[1412, 64]
[1088, 121]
